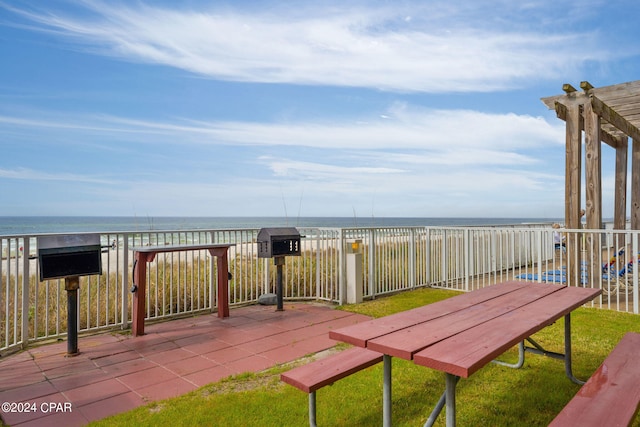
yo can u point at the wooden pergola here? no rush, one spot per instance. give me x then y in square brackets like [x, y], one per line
[611, 115]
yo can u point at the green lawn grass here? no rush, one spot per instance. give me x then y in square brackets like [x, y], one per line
[494, 396]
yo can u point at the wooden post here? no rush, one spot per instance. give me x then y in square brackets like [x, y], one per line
[593, 159]
[573, 170]
[593, 204]
[635, 185]
[140, 293]
[223, 280]
[620, 197]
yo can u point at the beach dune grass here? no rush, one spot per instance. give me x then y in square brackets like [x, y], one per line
[176, 284]
[496, 395]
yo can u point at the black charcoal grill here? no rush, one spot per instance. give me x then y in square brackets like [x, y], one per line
[278, 243]
[68, 257]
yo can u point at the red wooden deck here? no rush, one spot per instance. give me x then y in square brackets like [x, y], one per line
[115, 373]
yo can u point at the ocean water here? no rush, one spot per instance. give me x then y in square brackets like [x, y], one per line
[20, 225]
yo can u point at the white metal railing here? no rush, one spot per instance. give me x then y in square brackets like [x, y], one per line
[394, 259]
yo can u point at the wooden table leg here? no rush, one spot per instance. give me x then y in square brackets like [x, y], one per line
[140, 294]
[223, 280]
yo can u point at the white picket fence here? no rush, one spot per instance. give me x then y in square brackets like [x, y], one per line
[393, 259]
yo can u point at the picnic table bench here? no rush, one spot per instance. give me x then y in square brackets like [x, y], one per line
[326, 371]
[612, 395]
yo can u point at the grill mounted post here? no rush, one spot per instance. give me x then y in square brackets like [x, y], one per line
[277, 243]
[68, 257]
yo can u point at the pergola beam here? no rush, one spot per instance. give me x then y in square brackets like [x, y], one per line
[610, 115]
[586, 86]
[608, 138]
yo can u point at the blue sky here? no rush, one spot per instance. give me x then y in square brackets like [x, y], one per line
[273, 108]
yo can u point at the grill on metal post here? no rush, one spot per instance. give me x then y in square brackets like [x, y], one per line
[277, 243]
[68, 257]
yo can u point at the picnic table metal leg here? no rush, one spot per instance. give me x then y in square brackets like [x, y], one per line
[438, 408]
[518, 364]
[538, 349]
[567, 350]
[312, 409]
[451, 381]
[386, 392]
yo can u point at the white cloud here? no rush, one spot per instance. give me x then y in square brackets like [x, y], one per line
[414, 156]
[404, 128]
[42, 176]
[449, 156]
[313, 170]
[440, 49]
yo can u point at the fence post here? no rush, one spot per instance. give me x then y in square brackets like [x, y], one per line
[444, 251]
[25, 291]
[467, 258]
[427, 256]
[212, 277]
[318, 249]
[636, 272]
[511, 255]
[538, 254]
[493, 242]
[126, 284]
[342, 283]
[372, 262]
[412, 257]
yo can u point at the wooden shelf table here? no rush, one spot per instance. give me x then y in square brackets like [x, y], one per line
[145, 254]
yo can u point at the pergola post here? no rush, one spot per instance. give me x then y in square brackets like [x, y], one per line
[635, 185]
[573, 167]
[593, 204]
[620, 196]
[593, 160]
[572, 183]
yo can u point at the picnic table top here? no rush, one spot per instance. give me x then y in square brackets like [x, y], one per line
[460, 335]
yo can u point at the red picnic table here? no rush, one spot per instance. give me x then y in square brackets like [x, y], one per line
[145, 254]
[460, 335]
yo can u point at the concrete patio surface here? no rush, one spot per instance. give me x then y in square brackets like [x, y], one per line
[115, 372]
